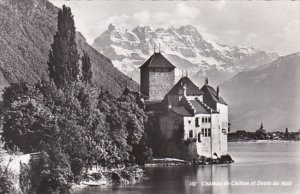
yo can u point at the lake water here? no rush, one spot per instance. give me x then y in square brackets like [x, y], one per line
[259, 164]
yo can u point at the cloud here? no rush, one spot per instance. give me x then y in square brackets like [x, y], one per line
[143, 18]
[252, 35]
[221, 4]
[271, 26]
[186, 11]
[292, 27]
[119, 20]
[182, 14]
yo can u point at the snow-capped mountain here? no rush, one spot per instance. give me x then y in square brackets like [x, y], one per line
[185, 47]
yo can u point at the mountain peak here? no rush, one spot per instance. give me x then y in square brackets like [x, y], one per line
[142, 29]
[184, 47]
[188, 28]
[111, 27]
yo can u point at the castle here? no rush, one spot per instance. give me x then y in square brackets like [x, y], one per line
[200, 115]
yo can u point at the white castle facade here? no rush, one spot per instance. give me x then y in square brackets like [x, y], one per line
[198, 115]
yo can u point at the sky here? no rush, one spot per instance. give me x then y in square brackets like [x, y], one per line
[273, 26]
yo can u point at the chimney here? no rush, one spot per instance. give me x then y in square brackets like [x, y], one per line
[184, 89]
[218, 92]
[206, 81]
[159, 47]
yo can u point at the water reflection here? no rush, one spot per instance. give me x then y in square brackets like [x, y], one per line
[256, 162]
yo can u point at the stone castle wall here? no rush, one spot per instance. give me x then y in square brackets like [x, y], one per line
[160, 83]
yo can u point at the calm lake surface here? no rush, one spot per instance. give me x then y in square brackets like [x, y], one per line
[256, 163]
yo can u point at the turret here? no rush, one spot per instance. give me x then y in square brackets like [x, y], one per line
[157, 77]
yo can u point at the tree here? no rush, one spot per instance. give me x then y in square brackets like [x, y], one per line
[46, 173]
[153, 133]
[70, 125]
[63, 57]
[6, 184]
[86, 69]
[26, 119]
[286, 134]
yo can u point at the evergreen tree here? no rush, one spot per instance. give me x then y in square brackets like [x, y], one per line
[63, 57]
[286, 134]
[86, 69]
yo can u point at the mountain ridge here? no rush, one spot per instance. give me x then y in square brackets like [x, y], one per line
[184, 46]
[268, 95]
[26, 33]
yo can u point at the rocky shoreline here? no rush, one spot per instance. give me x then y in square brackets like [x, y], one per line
[107, 176]
[202, 160]
[128, 175]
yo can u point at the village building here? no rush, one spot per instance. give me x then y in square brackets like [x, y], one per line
[199, 115]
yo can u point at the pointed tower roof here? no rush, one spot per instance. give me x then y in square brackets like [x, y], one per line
[157, 60]
[261, 126]
[261, 129]
[191, 88]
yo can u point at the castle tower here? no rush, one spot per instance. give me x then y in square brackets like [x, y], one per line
[157, 77]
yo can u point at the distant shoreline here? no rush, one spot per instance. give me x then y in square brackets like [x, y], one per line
[264, 141]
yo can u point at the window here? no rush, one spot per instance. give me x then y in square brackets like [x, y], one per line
[203, 120]
[199, 137]
[190, 134]
[208, 132]
[197, 122]
[209, 119]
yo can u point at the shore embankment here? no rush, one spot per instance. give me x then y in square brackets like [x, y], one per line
[264, 141]
[202, 160]
[100, 176]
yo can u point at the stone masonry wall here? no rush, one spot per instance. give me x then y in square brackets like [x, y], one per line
[160, 83]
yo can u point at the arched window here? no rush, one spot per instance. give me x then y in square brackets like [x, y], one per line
[191, 134]
[199, 137]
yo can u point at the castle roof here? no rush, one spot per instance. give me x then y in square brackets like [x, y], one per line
[182, 111]
[198, 107]
[201, 108]
[157, 60]
[211, 97]
[191, 88]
